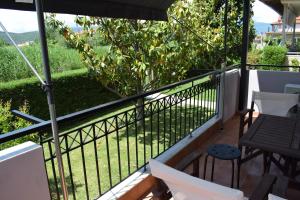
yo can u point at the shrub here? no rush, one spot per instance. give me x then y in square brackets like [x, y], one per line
[274, 55]
[13, 67]
[9, 123]
[73, 90]
[295, 62]
[254, 56]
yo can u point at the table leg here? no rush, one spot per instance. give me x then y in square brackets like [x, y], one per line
[205, 163]
[238, 173]
[232, 176]
[212, 170]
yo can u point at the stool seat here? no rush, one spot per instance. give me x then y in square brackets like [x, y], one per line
[224, 152]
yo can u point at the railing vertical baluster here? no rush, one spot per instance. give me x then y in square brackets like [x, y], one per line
[107, 152]
[165, 123]
[96, 160]
[170, 121]
[198, 104]
[206, 102]
[194, 105]
[215, 95]
[158, 125]
[127, 140]
[180, 116]
[83, 165]
[144, 131]
[201, 106]
[118, 148]
[151, 127]
[175, 118]
[209, 99]
[53, 169]
[45, 162]
[190, 109]
[212, 98]
[136, 138]
[185, 113]
[70, 166]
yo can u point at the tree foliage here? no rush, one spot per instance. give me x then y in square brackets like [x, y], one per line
[143, 55]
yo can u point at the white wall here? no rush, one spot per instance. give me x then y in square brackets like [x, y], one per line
[270, 81]
[232, 80]
[22, 173]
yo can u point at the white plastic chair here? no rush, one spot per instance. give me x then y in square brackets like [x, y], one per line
[274, 103]
[186, 187]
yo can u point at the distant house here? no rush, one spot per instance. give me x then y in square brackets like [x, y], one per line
[25, 44]
[276, 30]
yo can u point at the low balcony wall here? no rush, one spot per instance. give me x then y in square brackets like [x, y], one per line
[22, 173]
[270, 81]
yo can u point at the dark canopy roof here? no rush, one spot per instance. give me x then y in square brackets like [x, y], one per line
[131, 9]
[275, 5]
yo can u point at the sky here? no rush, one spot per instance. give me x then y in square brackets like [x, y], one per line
[21, 21]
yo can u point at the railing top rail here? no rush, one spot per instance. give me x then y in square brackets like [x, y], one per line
[46, 125]
[267, 65]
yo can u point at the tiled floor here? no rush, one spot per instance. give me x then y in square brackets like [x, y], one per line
[251, 172]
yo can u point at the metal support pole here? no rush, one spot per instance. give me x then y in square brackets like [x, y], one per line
[244, 74]
[50, 97]
[284, 20]
[294, 37]
[226, 31]
[224, 64]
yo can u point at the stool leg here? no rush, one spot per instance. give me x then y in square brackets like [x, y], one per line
[205, 163]
[232, 176]
[238, 173]
[212, 170]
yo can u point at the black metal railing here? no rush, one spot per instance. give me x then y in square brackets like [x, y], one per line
[102, 151]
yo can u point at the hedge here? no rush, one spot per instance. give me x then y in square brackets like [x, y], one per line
[73, 90]
[274, 55]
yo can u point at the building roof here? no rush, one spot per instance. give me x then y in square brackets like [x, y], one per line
[279, 21]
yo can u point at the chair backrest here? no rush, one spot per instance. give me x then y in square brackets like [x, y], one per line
[274, 103]
[186, 187]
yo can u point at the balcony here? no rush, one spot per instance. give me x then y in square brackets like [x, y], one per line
[106, 149]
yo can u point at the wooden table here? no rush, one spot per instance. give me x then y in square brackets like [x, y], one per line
[272, 134]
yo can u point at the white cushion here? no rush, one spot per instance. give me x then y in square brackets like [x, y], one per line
[186, 187]
[274, 197]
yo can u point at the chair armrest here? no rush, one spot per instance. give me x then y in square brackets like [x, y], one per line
[245, 112]
[161, 191]
[263, 188]
[192, 158]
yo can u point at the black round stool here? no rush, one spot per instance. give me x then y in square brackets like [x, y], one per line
[222, 152]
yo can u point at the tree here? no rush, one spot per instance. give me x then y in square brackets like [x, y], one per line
[143, 55]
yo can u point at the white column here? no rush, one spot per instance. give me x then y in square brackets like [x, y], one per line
[284, 20]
